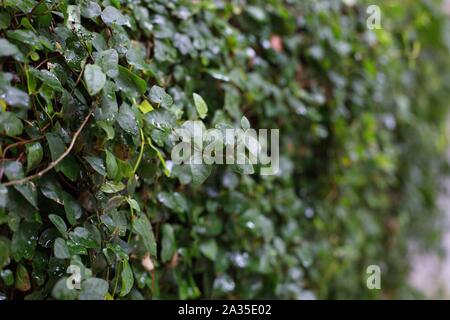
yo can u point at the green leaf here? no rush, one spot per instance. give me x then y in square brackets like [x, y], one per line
[127, 119]
[111, 165]
[29, 192]
[90, 10]
[73, 16]
[10, 125]
[68, 165]
[133, 204]
[59, 224]
[173, 200]
[35, 154]
[56, 145]
[61, 291]
[109, 107]
[14, 97]
[127, 278]
[7, 277]
[24, 241]
[9, 49]
[110, 134]
[97, 164]
[4, 252]
[209, 249]
[143, 228]
[5, 20]
[158, 95]
[168, 246]
[200, 105]
[72, 208]
[22, 282]
[136, 56]
[27, 37]
[13, 170]
[112, 187]
[83, 237]
[48, 78]
[108, 60]
[60, 249]
[130, 83]
[111, 15]
[95, 79]
[93, 289]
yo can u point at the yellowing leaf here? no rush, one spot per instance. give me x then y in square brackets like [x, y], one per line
[145, 107]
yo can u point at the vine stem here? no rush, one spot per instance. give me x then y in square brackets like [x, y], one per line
[161, 158]
[53, 163]
[19, 143]
[136, 166]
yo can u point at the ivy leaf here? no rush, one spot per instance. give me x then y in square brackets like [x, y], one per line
[24, 241]
[200, 105]
[48, 78]
[61, 292]
[4, 252]
[109, 107]
[209, 249]
[94, 289]
[136, 56]
[97, 164]
[56, 145]
[127, 278]
[29, 192]
[95, 79]
[145, 107]
[60, 249]
[112, 187]
[173, 200]
[10, 125]
[83, 237]
[14, 97]
[68, 165]
[130, 83]
[108, 60]
[168, 245]
[133, 204]
[111, 165]
[27, 37]
[143, 228]
[72, 208]
[24, 5]
[59, 224]
[5, 20]
[158, 95]
[111, 15]
[199, 172]
[9, 49]
[127, 119]
[109, 130]
[22, 282]
[90, 10]
[35, 154]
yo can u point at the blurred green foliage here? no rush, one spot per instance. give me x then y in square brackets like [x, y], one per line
[362, 118]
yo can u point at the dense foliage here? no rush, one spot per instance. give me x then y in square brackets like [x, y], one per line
[91, 91]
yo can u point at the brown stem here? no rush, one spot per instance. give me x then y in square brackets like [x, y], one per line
[54, 163]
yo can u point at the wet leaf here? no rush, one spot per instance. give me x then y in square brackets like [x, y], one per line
[95, 79]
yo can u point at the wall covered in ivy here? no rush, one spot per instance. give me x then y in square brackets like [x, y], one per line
[91, 91]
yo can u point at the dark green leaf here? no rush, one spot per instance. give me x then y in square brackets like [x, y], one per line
[59, 224]
[34, 155]
[143, 228]
[127, 278]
